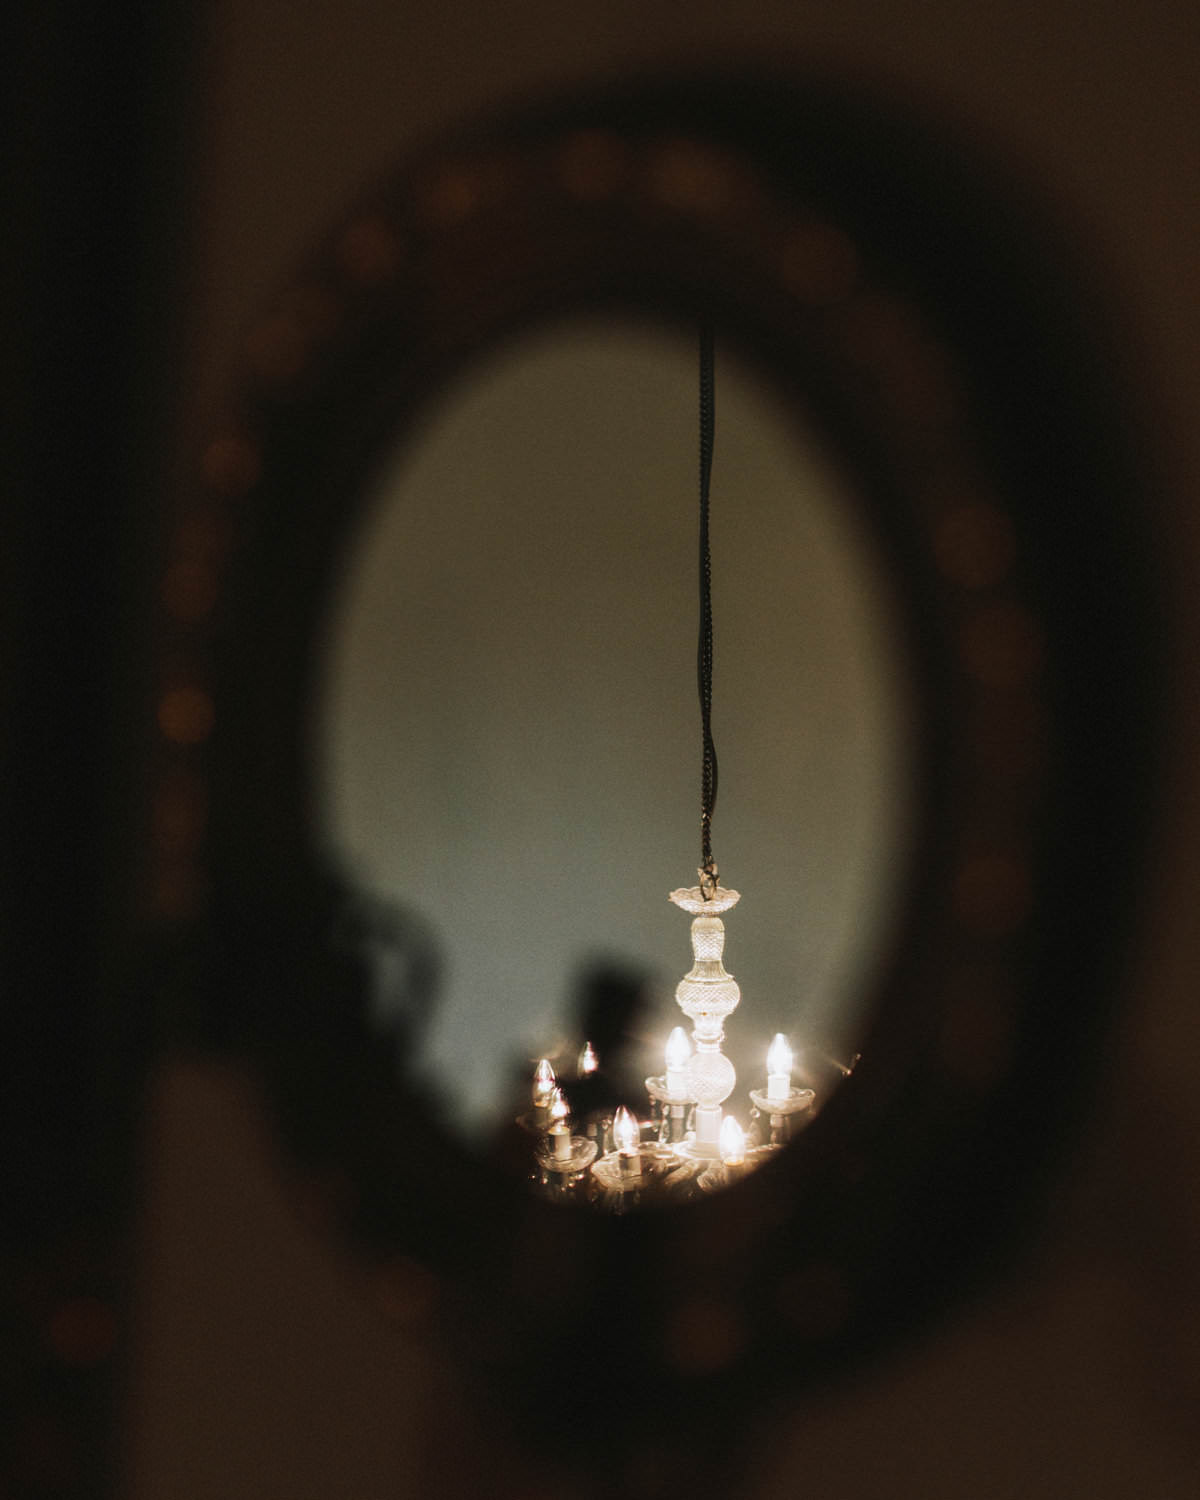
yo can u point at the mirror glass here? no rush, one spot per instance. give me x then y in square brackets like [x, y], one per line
[508, 736]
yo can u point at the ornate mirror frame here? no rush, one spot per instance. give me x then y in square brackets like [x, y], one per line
[910, 306]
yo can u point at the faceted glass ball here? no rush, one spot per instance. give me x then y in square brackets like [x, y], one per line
[711, 1077]
[714, 997]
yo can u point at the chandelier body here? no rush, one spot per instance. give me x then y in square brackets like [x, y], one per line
[689, 1145]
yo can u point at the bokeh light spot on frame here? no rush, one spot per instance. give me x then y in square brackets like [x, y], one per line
[592, 164]
[232, 466]
[449, 198]
[369, 251]
[691, 178]
[178, 891]
[888, 341]
[281, 346]
[974, 545]
[186, 715]
[818, 263]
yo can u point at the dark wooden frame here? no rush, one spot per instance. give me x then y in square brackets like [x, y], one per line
[905, 298]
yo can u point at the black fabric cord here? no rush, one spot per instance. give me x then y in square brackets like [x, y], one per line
[704, 659]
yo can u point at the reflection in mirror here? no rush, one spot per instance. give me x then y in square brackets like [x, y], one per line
[509, 743]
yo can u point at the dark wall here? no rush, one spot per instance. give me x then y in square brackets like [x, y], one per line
[225, 1347]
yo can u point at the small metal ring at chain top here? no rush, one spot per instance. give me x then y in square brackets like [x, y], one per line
[704, 661]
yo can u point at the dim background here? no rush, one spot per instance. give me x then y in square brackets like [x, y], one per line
[265, 1363]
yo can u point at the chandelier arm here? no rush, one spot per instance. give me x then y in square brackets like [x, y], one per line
[708, 762]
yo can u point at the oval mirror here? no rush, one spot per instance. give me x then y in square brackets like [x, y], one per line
[540, 528]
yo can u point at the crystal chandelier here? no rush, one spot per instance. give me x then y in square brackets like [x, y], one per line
[680, 1142]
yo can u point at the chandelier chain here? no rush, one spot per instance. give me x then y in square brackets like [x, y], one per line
[708, 762]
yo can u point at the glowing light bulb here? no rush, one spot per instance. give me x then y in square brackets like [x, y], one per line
[627, 1138]
[732, 1142]
[678, 1050]
[625, 1131]
[779, 1068]
[543, 1085]
[560, 1131]
[588, 1061]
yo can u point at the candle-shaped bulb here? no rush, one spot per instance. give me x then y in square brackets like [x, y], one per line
[588, 1061]
[627, 1138]
[543, 1084]
[732, 1142]
[560, 1131]
[779, 1068]
[678, 1050]
[779, 1055]
[626, 1134]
